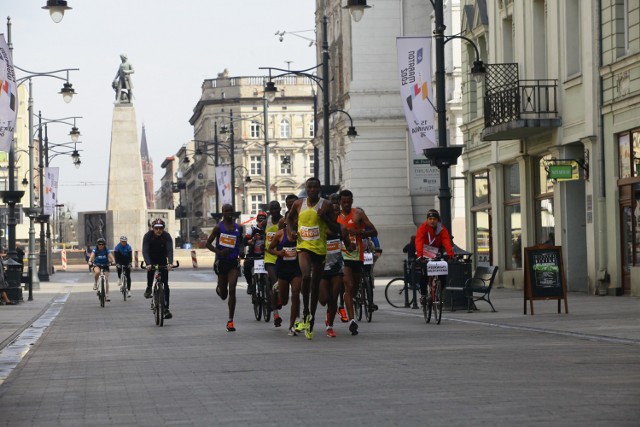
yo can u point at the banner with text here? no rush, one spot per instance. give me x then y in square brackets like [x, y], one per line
[223, 181]
[414, 65]
[50, 190]
[8, 97]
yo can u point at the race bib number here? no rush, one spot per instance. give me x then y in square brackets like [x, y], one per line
[290, 254]
[368, 258]
[429, 251]
[270, 236]
[227, 240]
[258, 267]
[437, 268]
[333, 246]
[309, 233]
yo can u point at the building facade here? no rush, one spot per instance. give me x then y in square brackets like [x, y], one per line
[147, 170]
[230, 115]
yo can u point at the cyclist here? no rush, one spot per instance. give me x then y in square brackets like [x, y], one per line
[157, 249]
[228, 238]
[124, 257]
[101, 257]
[255, 242]
[431, 239]
[271, 259]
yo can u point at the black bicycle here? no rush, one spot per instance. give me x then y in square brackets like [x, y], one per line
[158, 306]
[123, 280]
[363, 303]
[401, 292]
[102, 284]
[261, 297]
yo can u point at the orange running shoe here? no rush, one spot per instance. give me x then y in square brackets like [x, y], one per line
[343, 315]
[230, 327]
[277, 320]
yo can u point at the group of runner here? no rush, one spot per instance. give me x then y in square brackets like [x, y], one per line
[315, 251]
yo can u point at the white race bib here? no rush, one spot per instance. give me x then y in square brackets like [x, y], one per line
[437, 268]
[227, 240]
[258, 267]
[368, 258]
[309, 233]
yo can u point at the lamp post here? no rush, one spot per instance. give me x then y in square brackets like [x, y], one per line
[244, 176]
[444, 155]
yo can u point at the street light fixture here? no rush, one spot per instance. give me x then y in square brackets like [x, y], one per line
[444, 155]
[357, 8]
[56, 9]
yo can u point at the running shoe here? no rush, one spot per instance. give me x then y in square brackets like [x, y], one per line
[128, 294]
[298, 326]
[95, 286]
[293, 332]
[147, 293]
[343, 315]
[308, 334]
[353, 327]
[230, 327]
[277, 320]
[107, 298]
[167, 314]
[330, 332]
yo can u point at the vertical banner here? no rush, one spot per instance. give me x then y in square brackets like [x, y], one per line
[414, 66]
[50, 190]
[8, 97]
[223, 181]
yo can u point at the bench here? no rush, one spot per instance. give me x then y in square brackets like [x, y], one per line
[481, 283]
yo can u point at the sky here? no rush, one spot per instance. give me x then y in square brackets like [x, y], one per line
[173, 47]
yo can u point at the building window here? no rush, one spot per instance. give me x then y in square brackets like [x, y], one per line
[255, 165]
[572, 37]
[283, 201]
[621, 26]
[512, 215]
[254, 130]
[544, 212]
[285, 164]
[481, 212]
[285, 130]
[312, 162]
[256, 201]
[629, 155]
[312, 129]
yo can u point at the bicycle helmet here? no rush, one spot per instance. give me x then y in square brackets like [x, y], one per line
[157, 223]
[101, 241]
[261, 214]
[123, 238]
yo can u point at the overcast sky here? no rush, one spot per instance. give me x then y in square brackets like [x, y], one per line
[173, 47]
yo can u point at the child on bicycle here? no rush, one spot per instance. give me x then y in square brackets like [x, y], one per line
[431, 239]
[101, 257]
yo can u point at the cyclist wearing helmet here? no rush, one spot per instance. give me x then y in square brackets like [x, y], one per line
[255, 241]
[157, 249]
[101, 257]
[123, 256]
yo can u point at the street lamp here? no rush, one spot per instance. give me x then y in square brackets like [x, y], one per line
[444, 155]
[56, 9]
[357, 8]
[244, 176]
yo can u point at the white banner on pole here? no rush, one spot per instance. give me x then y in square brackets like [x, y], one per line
[50, 190]
[8, 97]
[223, 181]
[414, 66]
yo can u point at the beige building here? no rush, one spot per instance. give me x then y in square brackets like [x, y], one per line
[236, 104]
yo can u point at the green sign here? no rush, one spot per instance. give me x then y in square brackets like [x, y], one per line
[560, 171]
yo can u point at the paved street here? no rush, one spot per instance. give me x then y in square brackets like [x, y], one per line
[113, 366]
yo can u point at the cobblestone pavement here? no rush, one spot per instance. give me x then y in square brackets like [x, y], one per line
[66, 361]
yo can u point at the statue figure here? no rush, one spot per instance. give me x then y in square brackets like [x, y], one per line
[122, 83]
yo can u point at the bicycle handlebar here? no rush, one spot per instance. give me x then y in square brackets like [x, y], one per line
[156, 266]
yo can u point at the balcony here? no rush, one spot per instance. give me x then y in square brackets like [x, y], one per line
[518, 109]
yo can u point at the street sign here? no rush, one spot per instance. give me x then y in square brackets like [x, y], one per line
[562, 171]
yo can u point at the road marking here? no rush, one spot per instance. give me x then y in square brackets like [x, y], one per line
[16, 350]
[579, 335]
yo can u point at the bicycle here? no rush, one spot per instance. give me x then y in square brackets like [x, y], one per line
[364, 296]
[123, 281]
[401, 292]
[102, 283]
[158, 305]
[261, 297]
[435, 267]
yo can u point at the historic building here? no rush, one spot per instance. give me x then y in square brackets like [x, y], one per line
[147, 170]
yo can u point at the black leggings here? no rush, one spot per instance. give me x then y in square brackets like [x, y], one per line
[127, 274]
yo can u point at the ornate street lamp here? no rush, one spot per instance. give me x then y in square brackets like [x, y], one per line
[56, 9]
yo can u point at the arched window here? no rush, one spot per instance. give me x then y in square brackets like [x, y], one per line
[254, 130]
[285, 130]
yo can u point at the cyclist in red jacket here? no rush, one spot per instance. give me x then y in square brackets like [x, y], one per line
[433, 237]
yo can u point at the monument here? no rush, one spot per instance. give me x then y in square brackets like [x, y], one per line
[126, 208]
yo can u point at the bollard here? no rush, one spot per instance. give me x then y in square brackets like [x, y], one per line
[135, 257]
[64, 259]
[194, 259]
[14, 272]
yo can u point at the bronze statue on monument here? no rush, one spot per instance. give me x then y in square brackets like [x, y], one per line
[122, 83]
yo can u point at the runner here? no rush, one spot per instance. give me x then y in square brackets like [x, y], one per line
[289, 275]
[270, 259]
[358, 226]
[307, 222]
[228, 238]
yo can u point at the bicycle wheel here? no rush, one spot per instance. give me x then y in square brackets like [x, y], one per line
[256, 299]
[367, 297]
[161, 306]
[398, 293]
[266, 298]
[155, 303]
[438, 301]
[103, 294]
[123, 286]
[428, 308]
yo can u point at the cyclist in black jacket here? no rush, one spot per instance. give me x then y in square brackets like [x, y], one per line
[157, 249]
